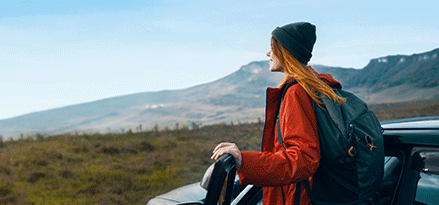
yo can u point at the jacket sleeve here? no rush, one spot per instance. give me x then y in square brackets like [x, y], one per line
[302, 155]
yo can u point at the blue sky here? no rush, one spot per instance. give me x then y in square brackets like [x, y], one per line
[59, 53]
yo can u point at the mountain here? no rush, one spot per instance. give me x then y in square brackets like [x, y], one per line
[238, 97]
[418, 70]
[397, 78]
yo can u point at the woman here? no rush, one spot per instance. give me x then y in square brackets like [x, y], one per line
[277, 168]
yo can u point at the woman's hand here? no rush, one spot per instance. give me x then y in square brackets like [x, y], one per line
[231, 148]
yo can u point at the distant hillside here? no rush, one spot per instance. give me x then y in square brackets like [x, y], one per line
[238, 97]
[417, 70]
[398, 78]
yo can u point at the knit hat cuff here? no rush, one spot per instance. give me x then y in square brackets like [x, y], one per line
[291, 44]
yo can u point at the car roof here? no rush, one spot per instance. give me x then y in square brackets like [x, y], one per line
[415, 131]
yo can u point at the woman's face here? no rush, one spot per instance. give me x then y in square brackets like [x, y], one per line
[274, 63]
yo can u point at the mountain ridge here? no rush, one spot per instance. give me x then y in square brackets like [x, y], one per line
[238, 97]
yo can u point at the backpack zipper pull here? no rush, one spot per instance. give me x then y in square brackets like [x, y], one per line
[351, 130]
[369, 142]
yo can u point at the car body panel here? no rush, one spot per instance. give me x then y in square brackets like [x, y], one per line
[189, 193]
[412, 123]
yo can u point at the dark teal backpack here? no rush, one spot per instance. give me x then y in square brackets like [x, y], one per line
[351, 149]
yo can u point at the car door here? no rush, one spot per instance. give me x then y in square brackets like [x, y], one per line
[220, 183]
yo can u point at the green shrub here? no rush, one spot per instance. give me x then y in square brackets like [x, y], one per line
[5, 190]
[35, 176]
[67, 174]
[147, 146]
[109, 150]
[81, 149]
[5, 170]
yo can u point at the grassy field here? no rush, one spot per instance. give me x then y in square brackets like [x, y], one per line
[399, 110]
[130, 168]
[112, 169]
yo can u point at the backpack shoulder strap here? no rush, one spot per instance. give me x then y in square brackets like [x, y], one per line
[279, 134]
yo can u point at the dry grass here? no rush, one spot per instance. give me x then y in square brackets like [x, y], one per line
[111, 169]
[130, 168]
[406, 109]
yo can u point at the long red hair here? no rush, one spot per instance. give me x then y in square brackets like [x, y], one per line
[303, 74]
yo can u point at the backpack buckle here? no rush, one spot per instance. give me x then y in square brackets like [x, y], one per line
[352, 151]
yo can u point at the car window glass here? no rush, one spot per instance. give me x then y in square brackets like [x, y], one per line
[428, 189]
[428, 184]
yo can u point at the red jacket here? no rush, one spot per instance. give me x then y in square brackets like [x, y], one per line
[276, 167]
